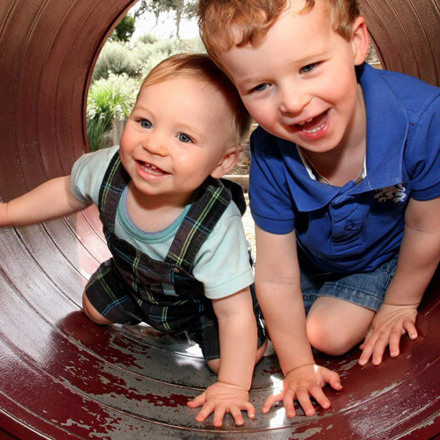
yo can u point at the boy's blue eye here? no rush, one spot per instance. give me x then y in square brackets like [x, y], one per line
[184, 138]
[145, 123]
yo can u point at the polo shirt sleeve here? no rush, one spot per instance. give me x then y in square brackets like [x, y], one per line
[222, 263]
[88, 172]
[270, 200]
[422, 154]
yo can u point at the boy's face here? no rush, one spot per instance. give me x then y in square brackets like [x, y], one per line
[299, 82]
[176, 136]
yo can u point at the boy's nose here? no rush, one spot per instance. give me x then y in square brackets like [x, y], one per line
[293, 101]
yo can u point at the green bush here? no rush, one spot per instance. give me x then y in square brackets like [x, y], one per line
[117, 58]
[147, 38]
[149, 54]
[108, 99]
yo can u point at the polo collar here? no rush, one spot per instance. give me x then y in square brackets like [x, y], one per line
[387, 128]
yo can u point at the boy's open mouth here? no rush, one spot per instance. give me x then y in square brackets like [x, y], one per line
[314, 125]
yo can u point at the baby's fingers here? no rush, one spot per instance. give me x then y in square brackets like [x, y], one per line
[270, 402]
[207, 409]
[198, 401]
[219, 414]
[333, 379]
[237, 414]
[304, 401]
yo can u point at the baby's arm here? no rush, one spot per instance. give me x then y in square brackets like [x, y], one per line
[418, 259]
[238, 348]
[51, 199]
[277, 282]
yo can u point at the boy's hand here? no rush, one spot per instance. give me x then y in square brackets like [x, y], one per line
[221, 398]
[300, 384]
[388, 326]
[2, 214]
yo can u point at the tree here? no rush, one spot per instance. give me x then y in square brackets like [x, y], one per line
[124, 30]
[182, 8]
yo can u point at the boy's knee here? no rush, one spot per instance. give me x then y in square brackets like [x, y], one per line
[328, 339]
[92, 313]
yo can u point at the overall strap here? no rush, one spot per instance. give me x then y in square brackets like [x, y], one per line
[113, 184]
[209, 204]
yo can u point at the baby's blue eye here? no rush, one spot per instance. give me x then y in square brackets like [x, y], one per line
[308, 68]
[145, 123]
[184, 138]
[261, 87]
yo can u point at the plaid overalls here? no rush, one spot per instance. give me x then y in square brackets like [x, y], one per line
[128, 288]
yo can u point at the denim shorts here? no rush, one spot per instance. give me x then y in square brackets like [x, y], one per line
[366, 289]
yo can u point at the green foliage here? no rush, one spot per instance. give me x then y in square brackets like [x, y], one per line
[124, 30]
[117, 58]
[147, 38]
[108, 99]
[149, 55]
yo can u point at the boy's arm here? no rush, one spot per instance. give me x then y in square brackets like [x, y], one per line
[277, 282]
[418, 259]
[51, 199]
[238, 347]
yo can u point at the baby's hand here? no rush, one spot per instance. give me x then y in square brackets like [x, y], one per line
[221, 398]
[388, 326]
[300, 384]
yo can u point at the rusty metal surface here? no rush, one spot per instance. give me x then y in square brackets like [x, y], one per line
[406, 34]
[62, 377]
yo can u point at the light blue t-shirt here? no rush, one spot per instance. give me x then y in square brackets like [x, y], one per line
[222, 263]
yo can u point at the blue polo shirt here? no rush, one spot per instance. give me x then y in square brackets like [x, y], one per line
[354, 228]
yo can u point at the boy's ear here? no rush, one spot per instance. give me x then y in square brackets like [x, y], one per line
[359, 41]
[228, 162]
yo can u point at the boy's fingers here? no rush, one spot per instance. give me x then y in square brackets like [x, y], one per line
[411, 329]
[395, 336]
[379, 350]
[367, 351]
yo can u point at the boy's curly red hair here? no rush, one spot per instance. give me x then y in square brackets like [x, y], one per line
[225, 23]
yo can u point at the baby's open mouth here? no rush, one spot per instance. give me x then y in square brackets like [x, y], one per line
[151, 169]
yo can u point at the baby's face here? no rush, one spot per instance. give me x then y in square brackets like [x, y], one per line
[175, 137]
[299, 82]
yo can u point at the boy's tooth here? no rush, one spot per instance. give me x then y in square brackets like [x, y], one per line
[304, 122]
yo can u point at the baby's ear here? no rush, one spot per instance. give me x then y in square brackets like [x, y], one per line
[359, 41]
[231, 157]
